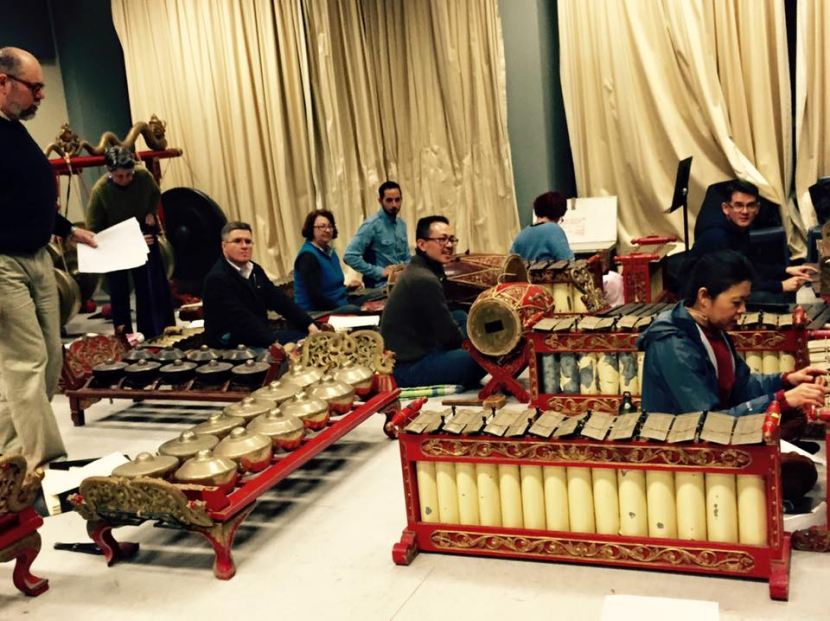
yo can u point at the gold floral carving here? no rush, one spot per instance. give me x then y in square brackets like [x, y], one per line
[67, 144]
[727, 561]
[85, 353]
[571, 406]
[589, 453]
[105, 498]
[326, 350]
[755, 340]
[17, 488]
[596, 342]
[584, 282]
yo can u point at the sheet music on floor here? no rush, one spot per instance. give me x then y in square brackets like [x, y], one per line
[341, 323]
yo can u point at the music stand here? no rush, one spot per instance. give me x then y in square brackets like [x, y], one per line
[681, 195]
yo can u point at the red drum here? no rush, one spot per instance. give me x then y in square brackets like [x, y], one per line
[501, 316]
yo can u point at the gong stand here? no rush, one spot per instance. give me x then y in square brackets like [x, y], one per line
[503, 370]
[19, 523]
[109, 502]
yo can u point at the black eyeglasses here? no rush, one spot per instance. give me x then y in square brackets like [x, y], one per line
[34, 87]
[753, 206]
[444, 240]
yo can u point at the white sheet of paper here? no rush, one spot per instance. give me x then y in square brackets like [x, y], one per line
[591, 223]
[120, 247]
[344, 322]
[618, 607]
[58, 481]
[786, 447]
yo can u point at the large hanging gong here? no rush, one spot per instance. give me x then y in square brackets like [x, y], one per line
[193, 222]
[69, 295]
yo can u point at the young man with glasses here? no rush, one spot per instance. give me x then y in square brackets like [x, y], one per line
[417, 323]
[238, 295]
[30, 346]
[731, 232]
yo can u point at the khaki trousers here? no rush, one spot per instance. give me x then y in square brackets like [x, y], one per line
[30, 357]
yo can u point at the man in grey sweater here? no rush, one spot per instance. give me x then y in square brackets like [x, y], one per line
[417, 323]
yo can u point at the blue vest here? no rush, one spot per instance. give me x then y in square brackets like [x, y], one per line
[331, 279]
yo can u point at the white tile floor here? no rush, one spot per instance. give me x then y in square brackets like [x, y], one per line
[319, 546]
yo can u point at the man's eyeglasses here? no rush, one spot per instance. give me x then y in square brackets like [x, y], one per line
[324, 227]
[34, 87]
[753, 206]
[444, 240]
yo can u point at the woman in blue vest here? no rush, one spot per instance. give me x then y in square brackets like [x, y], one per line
[318, 277]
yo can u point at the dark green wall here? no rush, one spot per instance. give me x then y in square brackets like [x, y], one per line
[535, 114]
[92, 67]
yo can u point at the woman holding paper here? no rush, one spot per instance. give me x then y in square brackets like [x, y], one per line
[123, 193]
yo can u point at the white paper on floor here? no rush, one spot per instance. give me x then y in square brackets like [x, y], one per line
[617, 607]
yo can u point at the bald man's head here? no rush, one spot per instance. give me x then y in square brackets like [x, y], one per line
[21, 83]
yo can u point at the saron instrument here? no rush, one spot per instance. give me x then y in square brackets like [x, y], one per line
[692, 493]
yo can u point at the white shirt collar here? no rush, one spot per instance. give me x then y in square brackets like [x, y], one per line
[244, 271]
[3, 116]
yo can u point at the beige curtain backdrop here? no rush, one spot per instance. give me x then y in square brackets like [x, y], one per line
[282, 106]
[812, 103]
[646, 84]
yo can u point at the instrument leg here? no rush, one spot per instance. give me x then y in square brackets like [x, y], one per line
[220, 536]
[101, 533]
[405, 551]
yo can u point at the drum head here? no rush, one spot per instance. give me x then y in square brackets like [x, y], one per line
[494, 328]
[193, 222]
[514, 270]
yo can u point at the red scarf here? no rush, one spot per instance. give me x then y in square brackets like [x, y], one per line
[725, 366]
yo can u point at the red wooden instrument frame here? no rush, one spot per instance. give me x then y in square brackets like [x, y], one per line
[770, 562]
[228, 511]
[637, 268]
[793, 340]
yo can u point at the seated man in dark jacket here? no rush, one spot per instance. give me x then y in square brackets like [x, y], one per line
[238, 296]
[729, 230]
[417, 323]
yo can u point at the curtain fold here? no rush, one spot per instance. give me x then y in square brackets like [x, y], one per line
[812, 107]
[646, 84]
[283, 106]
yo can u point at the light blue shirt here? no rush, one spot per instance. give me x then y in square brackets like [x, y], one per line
[380, 241]
[546, 241]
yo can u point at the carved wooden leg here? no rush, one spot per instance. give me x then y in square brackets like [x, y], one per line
[101, 533]
[220, 536]
[779, 577]
[78, 418]
[25, 552]
[813, 539]
[405, 551]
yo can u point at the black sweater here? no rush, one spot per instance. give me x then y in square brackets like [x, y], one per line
[239, 307]
[416, 320]
[28, 216]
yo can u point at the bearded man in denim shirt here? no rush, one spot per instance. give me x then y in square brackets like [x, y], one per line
[380, 243]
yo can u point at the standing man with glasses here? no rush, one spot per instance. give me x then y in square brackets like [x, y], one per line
[380, 243]
[417, 323]
[732, 233]
[238, 295]
[30, 346]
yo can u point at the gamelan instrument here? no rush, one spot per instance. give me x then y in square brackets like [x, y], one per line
[644, 269]
[575, 285]
[503, 314]
[101, 367]
[584, 363]
[208, 479]
[697, 492]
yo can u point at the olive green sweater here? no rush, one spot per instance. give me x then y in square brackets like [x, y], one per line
[110, 204]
